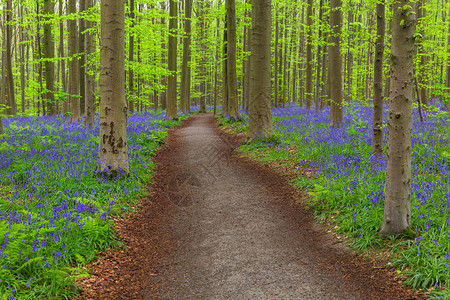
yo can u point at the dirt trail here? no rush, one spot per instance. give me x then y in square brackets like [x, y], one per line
[229, 229]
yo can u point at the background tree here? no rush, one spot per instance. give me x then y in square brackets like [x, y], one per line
[73, 64]
[172, 58]
[185, 69]
[113, 151]
[335, 64]
[49, 55]
[377, 141]
[90, 69]
[260, 117]
[233, 108]
[397, 207]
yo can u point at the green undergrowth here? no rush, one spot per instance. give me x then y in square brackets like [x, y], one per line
[55, 211]
[348, 192]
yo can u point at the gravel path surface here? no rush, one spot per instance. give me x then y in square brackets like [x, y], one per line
[217, 226]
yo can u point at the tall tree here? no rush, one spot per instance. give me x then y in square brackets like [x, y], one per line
[233, 107]
[397, 207]
[335, 64]
[73, 64]
[131, 58]
[275, 64]
[61, 54]
[113, 152]
[22, 59]
[172, 62]
[224, 72]
[260, 118]
[421, 14]
[82, 60]
[49, 55]
[9, 70]
[377, 140]
[90, 69]
[309, 61]
[185, 74]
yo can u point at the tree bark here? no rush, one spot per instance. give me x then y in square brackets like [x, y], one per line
[275, 69]
[162, 96]
[319, 47]
[397, 207]
[49, 55]
[113, 152]
[82, 60]
[22, 61]
[90, 71]
[73, 65]
[421, 13]
[11, 90]
[260, 118]
[309, 61]
[335, 64]
[185, 82]
[377, 140]
[131, 58]
[62, 61]
[172, 60]
[233, 107]
[224, 73]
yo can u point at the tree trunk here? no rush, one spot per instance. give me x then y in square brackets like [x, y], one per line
[317, 94]
[172, 82]
[377, 140]
[90, 74]
[131, 59]
[350, 54]
[233, 107]
[73, 65]
[82, 61]
[49, 55]
[335, 64]
[11, 90]
[260, 118]
[224, 73]
[22, 61]
[285, 67]
[184, 100]
[397, 207]
[113, 152]
[275, 69]
[309, 61]
[203, 60]
[421, 13]
[62, 61]
[369, 62]
[162, 96]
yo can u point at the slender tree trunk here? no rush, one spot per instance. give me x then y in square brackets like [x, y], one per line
[113, 152]
[350, 54]
[203, 60]
[49, 55]
[233, 107]
[260, 118]
[377, 140]
[82, 61]
[162, 96]
[224, 74]
[172, 82]
[22, 61]
[90, 74]
[335, 64]
[285, 80]
[131, 58]
[369, 63]
[184, 101]
[317, 94]
[74, 76]
[62, 61]
[309, 61]
[11, 90]
[421, 13]
[397, 207]
[276, 58]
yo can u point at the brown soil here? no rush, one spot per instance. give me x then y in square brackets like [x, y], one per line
[218, 226]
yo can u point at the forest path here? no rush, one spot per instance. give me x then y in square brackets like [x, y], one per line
[229, 229]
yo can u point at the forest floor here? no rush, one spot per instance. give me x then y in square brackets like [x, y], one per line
[218, 226]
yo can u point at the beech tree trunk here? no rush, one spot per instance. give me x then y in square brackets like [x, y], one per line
[82, 61]
[233, 107]
[275, 69]
[9, 71]
[22, 61]
[90, 69]
[73, 65]
[335, 64]
[421, 13]
[131, 59]
[309, 62]
[49, 55]
[224, 73]
[113, 152]
[172, 60]
[185, 82]
[377, 140]
[319, 47]
[65, 106]
[260, 118]
[397, 207]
